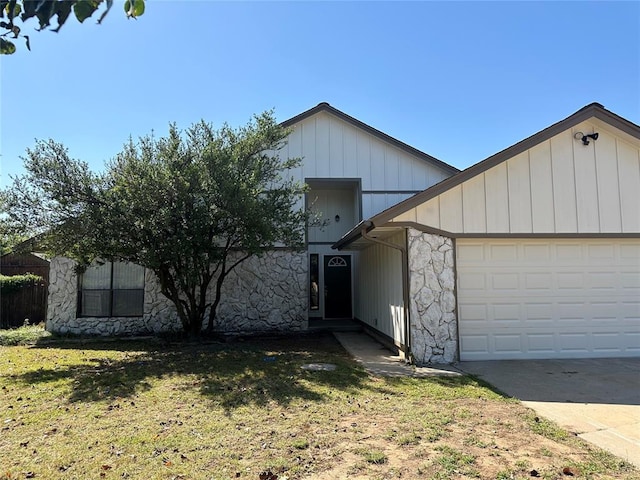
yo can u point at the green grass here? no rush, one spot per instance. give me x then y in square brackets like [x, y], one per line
[546, 428]
[23, 336]
[300, 444]
[160, 410]
[375, 457]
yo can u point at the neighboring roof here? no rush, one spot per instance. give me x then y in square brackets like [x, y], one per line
[325, 107]
[12, 256]
[593, 110]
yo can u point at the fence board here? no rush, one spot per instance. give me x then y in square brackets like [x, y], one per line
[27, 303]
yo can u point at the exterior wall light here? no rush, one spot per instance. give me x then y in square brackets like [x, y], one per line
[585, 138]
[337, 218]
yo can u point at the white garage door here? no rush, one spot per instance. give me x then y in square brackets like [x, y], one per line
[520, 299]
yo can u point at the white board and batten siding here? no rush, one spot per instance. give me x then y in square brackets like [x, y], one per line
[547, 254]
[332, 148]
[380, 302]
[548, 298]
[559, 186]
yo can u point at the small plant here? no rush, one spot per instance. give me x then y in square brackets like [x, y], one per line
[452, 459]
[504, 475]
[544, 451]
[409, 439]
[374, 456]
[300, 444]
[433, 435]
[474, 441]
[547, 428]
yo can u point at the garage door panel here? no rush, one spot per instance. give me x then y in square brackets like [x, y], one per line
[539, 312]
[538, 281]
[630, 281]
[508, 343]
[536, 252]
[504, 281]
[503, 253]
[573, 342]
[541, 343]
[632, 342]
[607, 342]
[474, 281]
[475, 344]
[548, 298]
[505, 314]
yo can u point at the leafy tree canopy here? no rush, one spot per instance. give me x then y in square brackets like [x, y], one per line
[14, 13]
[189, 206]
[8, 240]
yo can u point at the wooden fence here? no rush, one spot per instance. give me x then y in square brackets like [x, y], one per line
[28, 303]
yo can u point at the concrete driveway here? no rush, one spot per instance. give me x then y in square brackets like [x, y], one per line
[599, 399]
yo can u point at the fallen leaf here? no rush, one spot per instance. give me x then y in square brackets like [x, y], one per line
[106, 467]
[570, 471]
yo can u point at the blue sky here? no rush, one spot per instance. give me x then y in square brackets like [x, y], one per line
[458, 80]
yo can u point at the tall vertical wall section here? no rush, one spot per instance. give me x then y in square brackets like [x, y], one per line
[432, 300]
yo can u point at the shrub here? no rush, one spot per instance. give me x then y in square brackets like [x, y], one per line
[13, 283]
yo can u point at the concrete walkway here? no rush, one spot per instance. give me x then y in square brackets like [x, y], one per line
[380, 361]
[598, 399]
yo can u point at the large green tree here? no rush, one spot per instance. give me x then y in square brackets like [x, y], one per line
[15, 13]
[190, 206]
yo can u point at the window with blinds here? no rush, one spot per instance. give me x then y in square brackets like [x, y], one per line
[112, 289]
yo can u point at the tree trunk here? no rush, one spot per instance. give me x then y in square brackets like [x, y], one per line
[216, 301]
[195, 324]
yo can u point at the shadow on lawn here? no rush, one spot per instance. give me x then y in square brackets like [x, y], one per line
[255, 372]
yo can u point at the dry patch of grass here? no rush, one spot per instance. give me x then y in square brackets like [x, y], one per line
[216, 411]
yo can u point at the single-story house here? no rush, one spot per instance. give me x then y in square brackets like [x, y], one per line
[354, 171]
[532, 253]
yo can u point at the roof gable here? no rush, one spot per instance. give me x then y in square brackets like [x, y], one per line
[593, 110]
[557, 179]
[325, 107]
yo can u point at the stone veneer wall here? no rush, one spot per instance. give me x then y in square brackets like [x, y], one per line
[434, 330]
[262, 294]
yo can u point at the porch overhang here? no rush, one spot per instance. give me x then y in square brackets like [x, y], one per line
[354, 240]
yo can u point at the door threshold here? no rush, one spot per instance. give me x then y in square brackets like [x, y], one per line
[335, 324]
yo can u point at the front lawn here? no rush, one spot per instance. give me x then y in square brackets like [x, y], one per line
[155, 410]
[23, 336]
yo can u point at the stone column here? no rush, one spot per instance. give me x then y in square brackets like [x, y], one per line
[62, 299]
[432, 301]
